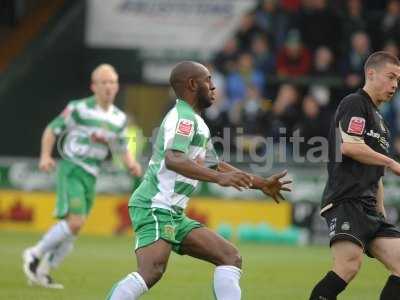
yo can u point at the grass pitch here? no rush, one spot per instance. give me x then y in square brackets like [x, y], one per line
[270, 272]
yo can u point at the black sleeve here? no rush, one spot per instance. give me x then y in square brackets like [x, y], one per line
[352, 116]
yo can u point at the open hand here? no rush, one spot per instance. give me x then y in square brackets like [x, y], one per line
[275, 184]
[46, 163]
[135, 168]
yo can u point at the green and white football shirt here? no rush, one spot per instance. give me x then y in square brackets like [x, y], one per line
[184, 130]
[88, 132]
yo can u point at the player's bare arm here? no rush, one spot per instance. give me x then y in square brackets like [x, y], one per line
[363, 153]
[271, 186]
[46, 162]
[179, 162]
[131, 164]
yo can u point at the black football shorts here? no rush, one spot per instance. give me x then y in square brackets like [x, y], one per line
[354, 221]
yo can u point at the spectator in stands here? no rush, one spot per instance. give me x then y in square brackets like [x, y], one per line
[312, 123]
[284, 113]
[319, 26]
[396, 148]
[323, 63]
[215, 115]
[391, 114]
[390, 22]
[249, 112]
[323, 69]
[391, 110]
[392, 47]
[272, 21]
[264, 58]
[225, 59]
[353, 19]
[248, 29]
[293, 59]
[245, 75]
[291, 6]
[249, 115]
[353, 63]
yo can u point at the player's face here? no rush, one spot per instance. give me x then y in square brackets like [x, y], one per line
[386, 80]
[105, 86]
[206, 90]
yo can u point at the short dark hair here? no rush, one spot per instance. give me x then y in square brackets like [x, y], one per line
[379, 58]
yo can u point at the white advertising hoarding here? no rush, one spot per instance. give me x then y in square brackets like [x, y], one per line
[179, 26]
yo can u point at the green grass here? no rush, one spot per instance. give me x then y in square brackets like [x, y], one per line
[270, 272]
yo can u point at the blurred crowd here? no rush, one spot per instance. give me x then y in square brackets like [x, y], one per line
[291, 61]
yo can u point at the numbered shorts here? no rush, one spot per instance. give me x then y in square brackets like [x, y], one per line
[152, 224]
[355, 222]
[75, 190]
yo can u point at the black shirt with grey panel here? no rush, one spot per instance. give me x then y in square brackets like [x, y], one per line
[356, 120]
[349, 199]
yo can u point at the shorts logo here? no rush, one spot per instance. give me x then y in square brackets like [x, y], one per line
[345, 226]
[185, 127]
[169, 232]
[356, 125]
[332, 227]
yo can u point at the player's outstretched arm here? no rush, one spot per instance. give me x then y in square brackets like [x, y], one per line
[363, 153]
[271, 186]
[46, 162]
[179, 162]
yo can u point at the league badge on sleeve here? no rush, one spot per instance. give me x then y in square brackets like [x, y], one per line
[356, 125]
[66, 112]
[185, 127]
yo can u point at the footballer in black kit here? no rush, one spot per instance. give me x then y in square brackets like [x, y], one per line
[353, 199]
[349, 199]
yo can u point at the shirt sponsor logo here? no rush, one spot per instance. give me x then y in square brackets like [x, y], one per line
[381, 139]
[185, 127]
[383, 127]
[356, 125]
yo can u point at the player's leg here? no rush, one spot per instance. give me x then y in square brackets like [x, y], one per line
[349, 228]
[347, 260]
[387, 251]
[51, 239]
[153, 249]
[152, 262]
[75, 220]
[71, 209]
[205, 244]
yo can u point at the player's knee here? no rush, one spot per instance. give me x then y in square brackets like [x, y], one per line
[353, 267]
[152, 275]
[75, 224]
[237, 260]
[349, 267]
[394, 267]
[232, 258]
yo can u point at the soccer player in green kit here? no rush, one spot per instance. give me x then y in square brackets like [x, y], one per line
[183, 154]
[90, 127]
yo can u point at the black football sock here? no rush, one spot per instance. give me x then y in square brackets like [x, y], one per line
[391, 290]
[329, 287]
